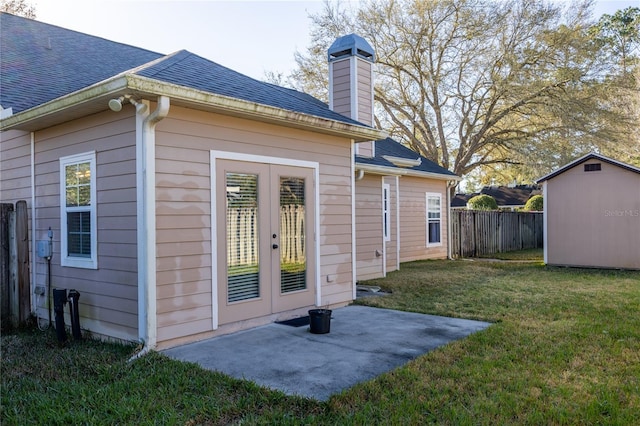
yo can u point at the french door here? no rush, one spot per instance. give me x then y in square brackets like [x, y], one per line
[265, 230]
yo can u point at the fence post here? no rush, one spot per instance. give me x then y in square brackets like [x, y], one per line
[6, 211]
[22, 241]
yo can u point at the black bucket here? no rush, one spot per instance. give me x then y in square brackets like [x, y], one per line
[319, 321]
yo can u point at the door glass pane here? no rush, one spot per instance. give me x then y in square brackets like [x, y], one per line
[242, 237]
[293, 262]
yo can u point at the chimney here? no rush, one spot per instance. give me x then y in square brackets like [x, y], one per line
[351, 61]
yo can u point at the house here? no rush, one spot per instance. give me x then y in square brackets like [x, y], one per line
[411, 191]
[187, 200]
[592, 214]
[510, 197]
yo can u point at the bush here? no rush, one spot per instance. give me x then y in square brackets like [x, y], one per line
[534, 204]
[482, 202]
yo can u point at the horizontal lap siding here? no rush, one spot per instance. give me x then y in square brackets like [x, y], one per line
[109, 295]
[342, 87]
[369, 236]
[15, 167]
[183, 208]
[413, 239]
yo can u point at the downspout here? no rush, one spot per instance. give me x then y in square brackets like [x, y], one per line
[450, 184]
[146, 220]
[360, 174]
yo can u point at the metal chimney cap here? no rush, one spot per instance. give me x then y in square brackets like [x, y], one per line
[351, 45]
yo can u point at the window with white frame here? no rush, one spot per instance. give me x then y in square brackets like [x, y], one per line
[434, 219]
[78, 211]
[386, 211]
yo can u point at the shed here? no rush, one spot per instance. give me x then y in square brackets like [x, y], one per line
[592, 214]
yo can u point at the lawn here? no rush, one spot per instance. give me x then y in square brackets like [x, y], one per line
[564, 349]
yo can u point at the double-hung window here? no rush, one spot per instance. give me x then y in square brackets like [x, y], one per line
[78, 240]
[434, 219]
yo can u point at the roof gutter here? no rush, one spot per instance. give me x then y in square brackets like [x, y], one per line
[58, 105]
[144, 86]
[384, 170]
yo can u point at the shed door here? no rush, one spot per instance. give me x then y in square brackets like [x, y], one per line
[265, 243]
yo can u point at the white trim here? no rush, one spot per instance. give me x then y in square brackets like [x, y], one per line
[32, 171]
[426, 207]
[397, 223]
[545, 229]
[215, 312]
[373, 115]
[353, 87]
[403, 162]
[331, 89]
[394, 171]
[89, 99]
[354, 271]
[386, 212]
[252, 158]
[65, 259]
[386, 223]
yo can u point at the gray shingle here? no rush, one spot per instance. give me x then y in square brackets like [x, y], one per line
[390, 147]
[41, 62]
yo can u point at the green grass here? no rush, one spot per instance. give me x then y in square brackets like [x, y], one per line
[564, 349]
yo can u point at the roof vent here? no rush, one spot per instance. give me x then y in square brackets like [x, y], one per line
[593, 167]
[351, 45]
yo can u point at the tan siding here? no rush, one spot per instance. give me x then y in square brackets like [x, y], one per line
[598, 230]
[365, 92]
[15, 167]
[369, 233]
[342, 87]
[183, 142]
[413, 240]
[108, 301]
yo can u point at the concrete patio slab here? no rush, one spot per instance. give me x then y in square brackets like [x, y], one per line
[363, 343]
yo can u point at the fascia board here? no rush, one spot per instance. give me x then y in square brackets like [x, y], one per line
[144, 86]
[392, 171]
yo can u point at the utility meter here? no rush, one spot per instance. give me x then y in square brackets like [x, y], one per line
[44, 248]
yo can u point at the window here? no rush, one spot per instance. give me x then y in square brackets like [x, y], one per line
[78, 211]
[386, 215]
[594, 167]
[434, 222]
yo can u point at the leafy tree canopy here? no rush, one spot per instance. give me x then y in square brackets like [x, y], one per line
[19, 8]
[509, 89]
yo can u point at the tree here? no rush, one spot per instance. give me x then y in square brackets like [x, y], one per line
[482, 202]
[534, 204]
[19, 8]
[476, 85]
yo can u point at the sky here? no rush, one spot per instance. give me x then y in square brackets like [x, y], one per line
[251, 37]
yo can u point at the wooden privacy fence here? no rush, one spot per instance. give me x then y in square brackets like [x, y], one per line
[15, 302]
[242, 240]
[477, 233]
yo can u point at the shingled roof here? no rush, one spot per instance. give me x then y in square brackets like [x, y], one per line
[386, 149]
[42, 62]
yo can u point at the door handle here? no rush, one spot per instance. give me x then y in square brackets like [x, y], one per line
[275, 246]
